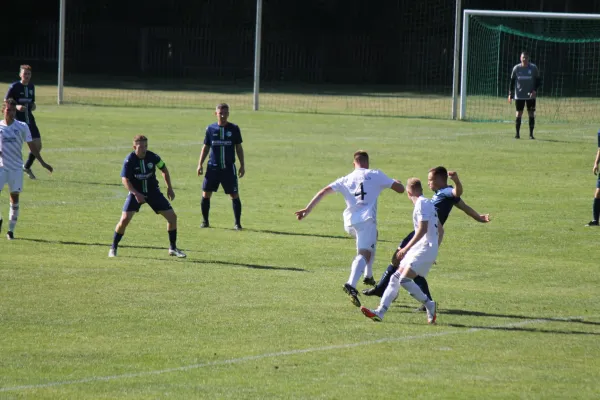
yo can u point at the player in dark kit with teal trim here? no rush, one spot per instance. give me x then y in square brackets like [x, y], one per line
[596, 206]
[23, 92]
[223, 140]
[139, 177]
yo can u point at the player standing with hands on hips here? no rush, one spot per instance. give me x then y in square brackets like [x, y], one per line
[524, 83]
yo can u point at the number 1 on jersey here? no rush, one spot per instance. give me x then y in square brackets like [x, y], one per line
[361, 193]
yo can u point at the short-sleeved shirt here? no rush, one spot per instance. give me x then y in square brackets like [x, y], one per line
[141, 172]
[525, 80]
[222, 141]
[361, 189]
[443, 201]
[12, 138]
[425, 211]
[23, 95]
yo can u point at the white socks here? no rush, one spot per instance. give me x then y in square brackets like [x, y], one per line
[391, 292]
[13, 215]
[358, 266]
[414, 290]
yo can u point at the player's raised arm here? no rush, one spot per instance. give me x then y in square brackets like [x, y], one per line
[301, 214]
[472, 213]
[458, 188]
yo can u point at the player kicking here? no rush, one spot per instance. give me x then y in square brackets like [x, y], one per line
[444, 199]
[417, 256]
[12, 135]
[360, 189]
[139, 178]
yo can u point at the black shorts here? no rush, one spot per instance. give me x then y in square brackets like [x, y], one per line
[226, 177]
[157, 201]
[598, 182]
[520, 104]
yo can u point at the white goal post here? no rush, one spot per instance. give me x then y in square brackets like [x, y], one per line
[467, 14]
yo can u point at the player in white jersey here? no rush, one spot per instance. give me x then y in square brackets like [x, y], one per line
[417, 256]
[360, 189]
[13, 134]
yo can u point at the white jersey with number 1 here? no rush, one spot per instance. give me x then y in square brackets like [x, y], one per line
[361, 189]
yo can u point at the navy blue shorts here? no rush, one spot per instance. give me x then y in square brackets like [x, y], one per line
[407, 239]
[157, 201]
[35, 132]
[598, 182]
[226, 177]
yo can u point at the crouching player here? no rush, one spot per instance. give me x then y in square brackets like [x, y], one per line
[139, 177]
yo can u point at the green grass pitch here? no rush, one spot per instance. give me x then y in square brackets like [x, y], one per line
[260, 313]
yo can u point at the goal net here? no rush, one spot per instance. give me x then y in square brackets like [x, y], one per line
[566, 51]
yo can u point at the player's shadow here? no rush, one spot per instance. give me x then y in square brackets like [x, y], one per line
[245, 265]
[307, 234]
[528, 329]
[75, 243]
[472, 313]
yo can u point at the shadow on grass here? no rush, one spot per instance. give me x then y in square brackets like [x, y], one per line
[245, 265]
[74, 243]
[107, 245]
[472, 313]
[309, 235]
[525, 329]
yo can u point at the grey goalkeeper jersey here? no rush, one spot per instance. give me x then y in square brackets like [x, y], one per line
[524, 80]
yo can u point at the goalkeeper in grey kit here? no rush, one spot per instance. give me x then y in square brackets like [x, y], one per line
[524, 83]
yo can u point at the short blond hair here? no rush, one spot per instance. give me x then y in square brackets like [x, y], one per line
[414, 185]
[139, 138]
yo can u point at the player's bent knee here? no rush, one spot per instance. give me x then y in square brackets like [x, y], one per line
[366, 254]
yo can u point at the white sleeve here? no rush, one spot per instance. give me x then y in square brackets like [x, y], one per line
[337, 185]
[383, 180]
[26, 133]
[425, 211]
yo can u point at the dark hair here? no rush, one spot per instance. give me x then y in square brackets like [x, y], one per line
[220, 106]
[361, 157]
[8, 102]
[440, 172]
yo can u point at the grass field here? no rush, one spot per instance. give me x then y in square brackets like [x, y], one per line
[260, 313]
[382, 101]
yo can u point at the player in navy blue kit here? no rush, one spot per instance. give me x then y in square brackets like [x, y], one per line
[596, 206]
[23, 92]
[445, 197]
[139, 177]
[223, 140]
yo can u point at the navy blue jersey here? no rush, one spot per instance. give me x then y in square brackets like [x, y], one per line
[23, 95]
[142, 172]
[443, 201]
[222, 141]
[599, 139]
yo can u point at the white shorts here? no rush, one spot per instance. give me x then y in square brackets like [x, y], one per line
[420, 259]
[365, 234]
[12, 177]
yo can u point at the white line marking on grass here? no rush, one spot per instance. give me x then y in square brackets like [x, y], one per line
[278, 354]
